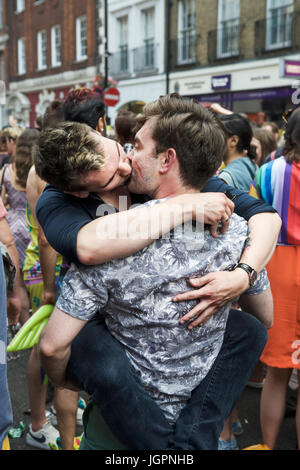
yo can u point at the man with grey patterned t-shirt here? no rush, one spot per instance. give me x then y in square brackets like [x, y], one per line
[135, 295]
[178, 147]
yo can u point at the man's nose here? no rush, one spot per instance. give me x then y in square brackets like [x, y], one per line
[125, 167]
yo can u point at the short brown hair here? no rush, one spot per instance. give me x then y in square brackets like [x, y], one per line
[291, 148]
[195, 133]
[272, 125]
[23, 154]
[53, 115]
[267, 141]
[125, 123]
[65, 154]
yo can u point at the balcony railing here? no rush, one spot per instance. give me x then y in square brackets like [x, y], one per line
[280, 31]
[119, 63]
[224, 42]
[145, 58]
[139, 61]
[183, 50]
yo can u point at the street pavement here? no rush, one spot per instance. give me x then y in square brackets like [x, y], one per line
[248, 407]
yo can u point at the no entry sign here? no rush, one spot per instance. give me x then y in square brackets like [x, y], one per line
[111, 96]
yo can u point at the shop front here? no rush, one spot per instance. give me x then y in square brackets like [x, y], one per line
[263, 90]
[260, 105]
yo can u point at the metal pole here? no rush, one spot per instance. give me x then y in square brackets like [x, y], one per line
[106, 44]
[168, 26]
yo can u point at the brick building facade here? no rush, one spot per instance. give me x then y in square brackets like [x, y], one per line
[51, 47]
[242, 54]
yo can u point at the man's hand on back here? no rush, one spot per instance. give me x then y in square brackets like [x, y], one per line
[214, 291]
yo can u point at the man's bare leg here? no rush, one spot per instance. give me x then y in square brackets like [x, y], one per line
[37, 392]
[66, 404]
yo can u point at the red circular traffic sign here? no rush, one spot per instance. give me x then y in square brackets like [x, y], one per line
[111, 96]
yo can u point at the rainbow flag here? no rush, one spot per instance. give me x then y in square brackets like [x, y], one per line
[278, 183]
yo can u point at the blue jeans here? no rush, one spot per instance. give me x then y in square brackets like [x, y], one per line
[100, 366]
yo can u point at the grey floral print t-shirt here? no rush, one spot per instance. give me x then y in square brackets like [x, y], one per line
[135, 295]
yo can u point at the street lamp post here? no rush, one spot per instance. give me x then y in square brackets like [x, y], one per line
[168, 52]
[105, 45]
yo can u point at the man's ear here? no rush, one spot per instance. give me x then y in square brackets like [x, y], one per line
[101, 126]
[168, 159]
[233, 141]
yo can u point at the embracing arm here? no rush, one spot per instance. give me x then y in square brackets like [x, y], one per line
[70, 229]
[216, 289]
[122, 234]
[263, 234]
[259, 305]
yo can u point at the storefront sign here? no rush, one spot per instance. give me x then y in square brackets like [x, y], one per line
[221, 82]
[271, 93]
[291, 68]
[194, 85]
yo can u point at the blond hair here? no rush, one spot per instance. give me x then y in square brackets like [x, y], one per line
[64, 155]
[12, 132]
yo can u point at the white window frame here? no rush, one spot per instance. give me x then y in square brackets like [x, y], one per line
[123, 42]
[148, 36]
[186, 33]
[56, 45]
[20, 6]
[283, 5]
[42, 50]
[232, 23]
[81, 35]
[21, 56]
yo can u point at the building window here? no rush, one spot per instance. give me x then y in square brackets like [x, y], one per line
[123, 43]
[21, 56]
[186, 31]
[228, 28]
[20, 6]
[56, 46]
[279, 22]
[148, 28]
[81, 38]
[42, 50]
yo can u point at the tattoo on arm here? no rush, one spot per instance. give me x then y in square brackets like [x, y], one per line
[247, 242]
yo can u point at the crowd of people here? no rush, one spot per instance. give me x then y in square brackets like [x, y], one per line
[170, 251]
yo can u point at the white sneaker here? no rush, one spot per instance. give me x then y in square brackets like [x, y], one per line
[42, 438]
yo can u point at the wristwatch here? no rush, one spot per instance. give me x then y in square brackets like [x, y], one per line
[250, 271]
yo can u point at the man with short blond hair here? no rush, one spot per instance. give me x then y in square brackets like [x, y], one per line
[73, 139]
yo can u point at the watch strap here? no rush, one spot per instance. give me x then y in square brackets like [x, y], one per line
[248, 270]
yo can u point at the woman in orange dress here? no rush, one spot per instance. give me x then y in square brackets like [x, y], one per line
[278, 183]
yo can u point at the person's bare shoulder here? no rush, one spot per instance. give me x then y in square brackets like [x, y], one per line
[34, 188]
